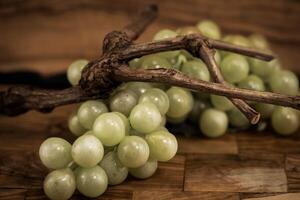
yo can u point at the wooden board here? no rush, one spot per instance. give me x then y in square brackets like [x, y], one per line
[47, 35]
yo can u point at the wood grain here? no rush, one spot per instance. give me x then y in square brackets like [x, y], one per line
[183, 195]
[292, 167]
[287, 196]
[229, 173]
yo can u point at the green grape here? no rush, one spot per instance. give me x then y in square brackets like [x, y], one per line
[74, 71]
[221, 103]
[136, 133]
[145, 171]
[138, 87]
[164, 34]
[181, 102]
[55, 153]
[162, 128]
[284, 82]
[145, 117]
[89, 111]
[91, 182]
[262, 68]
[154, 62]
[157, 97]
[87, 151]
[264, 109]
[186, 54]
[196, 69]
[199, 106]
[209, 29]
[178, 120]
[89, 133]
[115, 171]
[60, 184]
[125, 121]
[133, 151]
[237, 118]
[135, 63]
[123, 102]
[234, 68]
[163, 120]
[259, 41]
[285, 121]
[213, 123]
[237, 40]
[252, 82]
[74, 125]
[187, 30]
[109, 128]
[163, 145]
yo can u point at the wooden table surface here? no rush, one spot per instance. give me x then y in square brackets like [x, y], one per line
[47, 35]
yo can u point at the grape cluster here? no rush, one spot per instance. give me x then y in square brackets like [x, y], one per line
[126, 133]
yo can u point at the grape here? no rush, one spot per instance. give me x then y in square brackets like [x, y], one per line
[87, 151]
[237, 119]
[74, 71]
[237, 40]
[60, 184]
[199, 106]
[234, 68]
[145, 117]
[123, 102]
[136, 133]
[163, 120]
[154, 62]
[135, 63]
[145, 171]
[196, 69]
[209, 29]
[259, 41]
[264, 109]
[133, 151]
[163, 145]
[125, 121]
[188, 30]
[91, 182]
[89, 111]
[109, 128]
[55, 153]
[252, 82]
[164, 34]
[262, 68]
[157, 97]
[115, 171]
[181, 102]
[221, 103]
[176, 120]
[138, 87]
[285, 121]
[74, 125]
[217, 57]
[284, 82]
[213, 123]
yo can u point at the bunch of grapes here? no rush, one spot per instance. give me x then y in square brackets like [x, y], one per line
[126, 133]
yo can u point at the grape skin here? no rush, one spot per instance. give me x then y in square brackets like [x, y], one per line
[60, 184]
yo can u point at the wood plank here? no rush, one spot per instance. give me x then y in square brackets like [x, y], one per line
[10, 194]
[224, 145]
[169, 176]
[268, 142]
[229, 173]
[287, 196]
[153, 195]
[293, 172]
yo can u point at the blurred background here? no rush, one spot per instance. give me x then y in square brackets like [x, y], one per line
[48, 35]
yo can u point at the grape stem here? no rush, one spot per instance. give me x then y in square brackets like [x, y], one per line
[101, 76]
